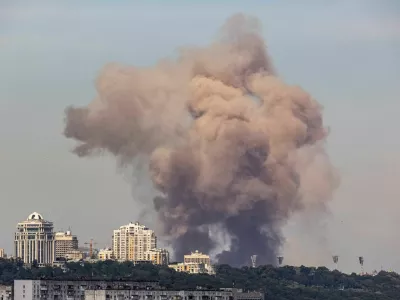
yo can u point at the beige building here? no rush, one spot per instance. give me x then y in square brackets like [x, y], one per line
[65, 242]
[130, 242]
[191, 268]
[2, 253]
[34, 240]
[157, 256]
[74, 255]
[105, 254]
[197, 258]
[194, 263]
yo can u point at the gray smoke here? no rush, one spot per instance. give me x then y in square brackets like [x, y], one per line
[228, 142]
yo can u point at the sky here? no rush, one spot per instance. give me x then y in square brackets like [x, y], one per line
[345, 53]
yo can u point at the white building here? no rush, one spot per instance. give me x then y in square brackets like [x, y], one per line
[130, 242]
[65, 243]
[34, 240]
[106, 254]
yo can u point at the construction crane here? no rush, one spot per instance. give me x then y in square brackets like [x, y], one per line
[91, 243]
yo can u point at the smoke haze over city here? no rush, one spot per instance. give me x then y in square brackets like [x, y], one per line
[58, 55]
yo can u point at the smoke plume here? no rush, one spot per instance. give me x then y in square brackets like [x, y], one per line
[229, 144]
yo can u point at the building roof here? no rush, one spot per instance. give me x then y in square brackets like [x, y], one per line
[35, 216]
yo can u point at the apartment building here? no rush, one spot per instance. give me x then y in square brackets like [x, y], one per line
[72, 289]
[130, 242]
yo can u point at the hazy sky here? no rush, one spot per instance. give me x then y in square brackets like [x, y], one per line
[346, 53]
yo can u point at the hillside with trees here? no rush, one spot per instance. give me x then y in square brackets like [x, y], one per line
[294, 283]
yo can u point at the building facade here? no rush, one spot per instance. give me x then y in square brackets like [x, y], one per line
[194, 263]
[106, 254]
[74, 255]
[157, 256]
[65, 242]
[130, 242]
[34, 240]
[223, 294]
[72, 289]
[197, 258]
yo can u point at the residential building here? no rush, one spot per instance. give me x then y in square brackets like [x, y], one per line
[157, 256]
[197, 258]
[34, 240]
[6, 292]
[72, 289]
[2, 253]
[65, 242]
[223, 294]
[105, 254]
[130, 242]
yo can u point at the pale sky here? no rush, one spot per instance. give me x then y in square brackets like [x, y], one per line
[346, 53]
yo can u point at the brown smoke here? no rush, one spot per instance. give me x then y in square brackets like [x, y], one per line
[229, 142]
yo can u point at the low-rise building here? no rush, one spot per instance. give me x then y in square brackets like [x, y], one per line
[74, 255]
[5, 292]
[157, 256]
[194, 263]
[106, 254]
[197, 258]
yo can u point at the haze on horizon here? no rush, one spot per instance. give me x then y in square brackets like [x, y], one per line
[51, 54]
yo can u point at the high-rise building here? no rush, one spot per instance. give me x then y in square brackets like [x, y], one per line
[2, 253]
[34, 240]
[130, 242]
[157, 256]
[65, 242]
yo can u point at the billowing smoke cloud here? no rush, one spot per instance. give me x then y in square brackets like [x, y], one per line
[229, 144]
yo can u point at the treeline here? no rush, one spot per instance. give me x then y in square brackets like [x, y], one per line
[277, 283]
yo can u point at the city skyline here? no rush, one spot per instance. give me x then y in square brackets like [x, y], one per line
[349, 66]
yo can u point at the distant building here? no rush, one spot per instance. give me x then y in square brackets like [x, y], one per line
[106, 254]
[5, 292]
[194, 263]
[197, 258]
[130, 242]
[34, 240]
[65, 242]
[74, 255]
[191, 268]
[2, 254]
[157, 256]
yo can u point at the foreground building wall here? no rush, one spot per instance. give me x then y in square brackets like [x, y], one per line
[228, 294]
